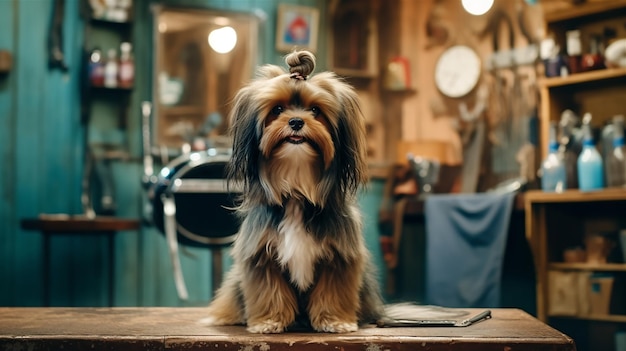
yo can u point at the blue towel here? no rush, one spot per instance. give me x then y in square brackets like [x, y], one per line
[465, 242]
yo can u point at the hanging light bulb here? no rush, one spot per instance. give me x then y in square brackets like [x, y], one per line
[477, 7]
[223, 40]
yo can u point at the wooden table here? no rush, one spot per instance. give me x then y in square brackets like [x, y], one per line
[159, 328]
[50, 225]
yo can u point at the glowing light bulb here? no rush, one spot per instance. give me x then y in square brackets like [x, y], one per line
[477, 7]
[223, 40]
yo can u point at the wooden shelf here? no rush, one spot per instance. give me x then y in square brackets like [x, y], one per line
[616, 318]
[355, 73]
[607, 267]
[556, 220]
[583, 10]
[575, 195]
[585, 77]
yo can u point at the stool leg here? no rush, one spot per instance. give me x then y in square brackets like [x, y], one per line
[111, 246]
[216, 268]
[45, 269]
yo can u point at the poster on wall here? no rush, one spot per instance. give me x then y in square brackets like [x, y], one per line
[297, 27]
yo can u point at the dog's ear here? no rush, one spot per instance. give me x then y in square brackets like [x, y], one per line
[243, 165]
[351, 154]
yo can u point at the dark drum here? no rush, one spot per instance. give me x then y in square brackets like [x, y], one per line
[203, 205]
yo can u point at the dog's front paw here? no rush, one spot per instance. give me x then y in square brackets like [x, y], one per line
[212, 321]
[266, 327]
[335, 326]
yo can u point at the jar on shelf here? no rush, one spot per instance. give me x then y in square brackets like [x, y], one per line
[96, 68]
[126, 74]
[574, 50]
[111, 68]
[594, 59]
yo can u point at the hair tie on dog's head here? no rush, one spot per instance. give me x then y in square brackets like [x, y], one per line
[301, 64]
[297, 76]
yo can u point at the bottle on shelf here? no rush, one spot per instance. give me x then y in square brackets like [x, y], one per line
[96, 68]
[590, 165]
[553, 177]
[126, 74]
[616, 159]
[570, 145]
[111, 68]
[554, 62]
[594, 59]
[606, 140]
[574, 50]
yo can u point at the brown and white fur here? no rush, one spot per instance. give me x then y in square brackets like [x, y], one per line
[300, 257]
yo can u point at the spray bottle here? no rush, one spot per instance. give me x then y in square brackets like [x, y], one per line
[590, 165]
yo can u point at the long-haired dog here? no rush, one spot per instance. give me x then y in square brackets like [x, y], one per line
[299, 155]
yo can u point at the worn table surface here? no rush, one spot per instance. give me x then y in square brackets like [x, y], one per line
[177, 328]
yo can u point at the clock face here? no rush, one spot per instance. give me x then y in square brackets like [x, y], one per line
[457, 71]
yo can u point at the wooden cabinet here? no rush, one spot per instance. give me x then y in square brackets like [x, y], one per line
[599, 92]
[570, 296]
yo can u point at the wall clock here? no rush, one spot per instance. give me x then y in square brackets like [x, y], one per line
[457, 71]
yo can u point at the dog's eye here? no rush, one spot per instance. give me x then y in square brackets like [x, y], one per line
[277, 110]
[316, 111]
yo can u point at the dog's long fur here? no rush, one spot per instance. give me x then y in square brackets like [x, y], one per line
[300, 257]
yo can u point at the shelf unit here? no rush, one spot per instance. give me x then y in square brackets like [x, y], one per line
[104, 109]
[576, 12]
[557, 221]
[599, 92]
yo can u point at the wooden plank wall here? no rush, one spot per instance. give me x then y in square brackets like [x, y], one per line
[41, 147]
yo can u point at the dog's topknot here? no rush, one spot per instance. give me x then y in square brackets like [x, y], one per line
[301, 63]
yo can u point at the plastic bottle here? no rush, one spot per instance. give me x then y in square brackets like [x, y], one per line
[96, 68]
[553, 176]
[590, 165]
[570, 147]
[616, 161]
[126, 75]
[111, 68]
[574, 50]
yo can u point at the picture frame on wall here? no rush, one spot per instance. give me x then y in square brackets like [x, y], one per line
[297, 27]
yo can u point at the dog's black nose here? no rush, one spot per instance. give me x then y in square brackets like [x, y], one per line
[296, 123]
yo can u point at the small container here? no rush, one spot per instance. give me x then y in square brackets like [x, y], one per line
[594, 59]
[574, 255]
[615, 161]
[590, 165]
[574, 50]
[598, 247]
[126, 74]
[600, 286]
[111, 68]
[96, 68]
[553, 173]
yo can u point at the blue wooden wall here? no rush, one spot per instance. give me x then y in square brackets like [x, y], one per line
[41, 148]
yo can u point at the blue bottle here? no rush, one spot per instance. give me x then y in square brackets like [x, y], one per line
[553, 174]
[590, 165]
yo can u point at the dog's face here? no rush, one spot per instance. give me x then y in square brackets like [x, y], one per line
[297, 137]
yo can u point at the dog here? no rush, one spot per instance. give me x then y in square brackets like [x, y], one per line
[299, 154]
